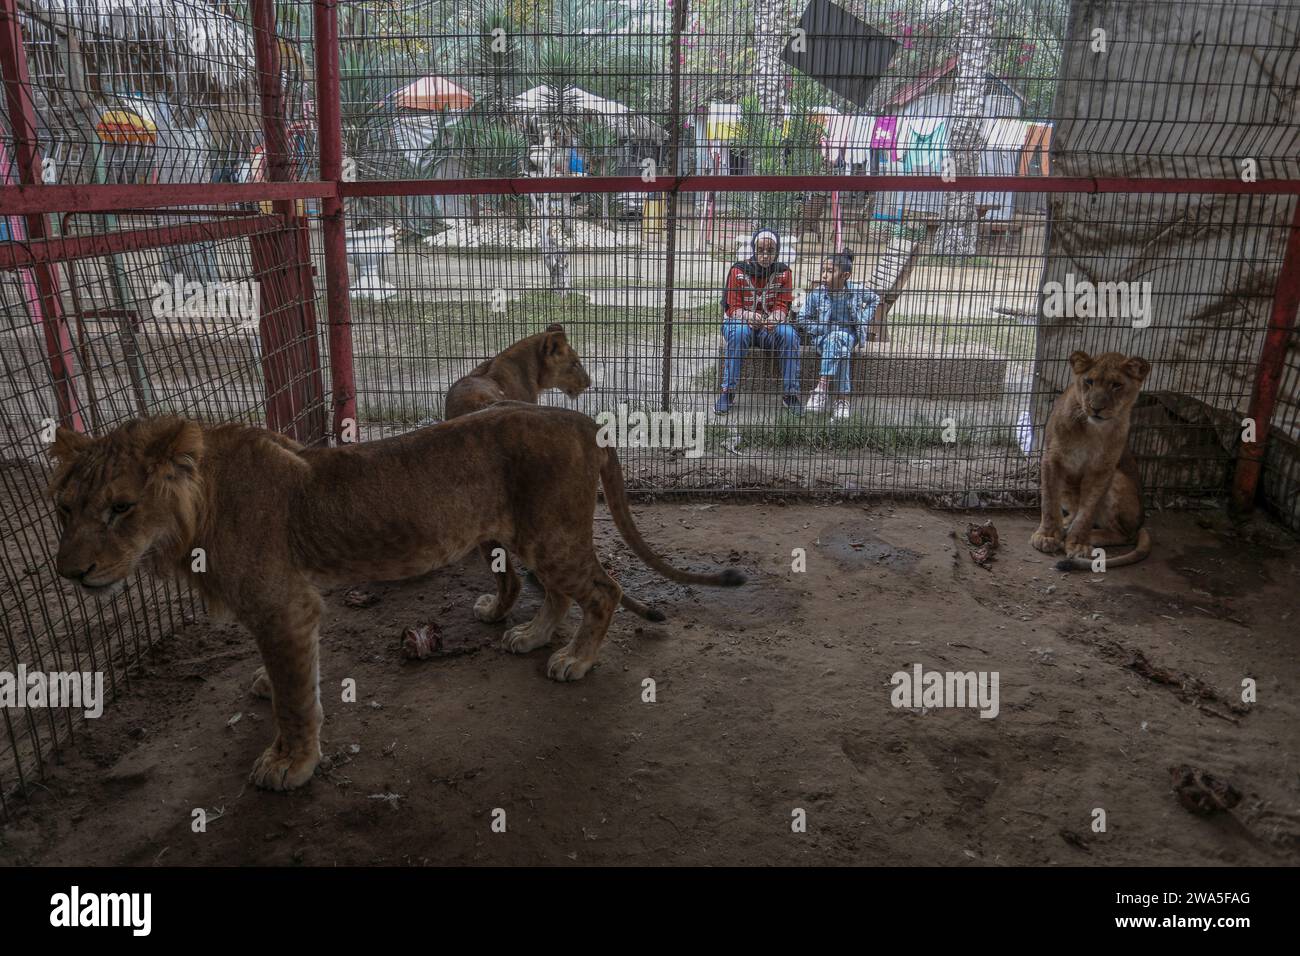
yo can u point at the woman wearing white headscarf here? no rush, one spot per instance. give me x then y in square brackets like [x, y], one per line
[756, 304]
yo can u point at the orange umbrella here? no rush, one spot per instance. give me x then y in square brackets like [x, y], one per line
[434, 93]
[123, 126]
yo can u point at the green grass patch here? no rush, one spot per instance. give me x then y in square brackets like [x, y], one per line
[999, 333]
[399, 411]
[467, 327]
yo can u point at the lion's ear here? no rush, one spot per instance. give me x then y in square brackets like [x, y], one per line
[67, 445]
[178, 443]
[554, 340]
[1138, 368]
[1080, 361]
[555, 327]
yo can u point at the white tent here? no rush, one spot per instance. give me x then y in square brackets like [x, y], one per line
[577, 102]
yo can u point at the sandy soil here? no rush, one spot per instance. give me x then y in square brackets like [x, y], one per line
[770, 697]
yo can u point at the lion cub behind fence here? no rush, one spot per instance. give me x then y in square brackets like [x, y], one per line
[1089, 475]
[272, 519]
[521, 372]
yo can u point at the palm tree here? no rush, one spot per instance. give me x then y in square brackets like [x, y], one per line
[491, 148]
[496, 59]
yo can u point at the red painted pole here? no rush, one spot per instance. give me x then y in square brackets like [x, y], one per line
[329, 119]
[275, 138]
[27, 157]
[1272, 363]
[290, 355]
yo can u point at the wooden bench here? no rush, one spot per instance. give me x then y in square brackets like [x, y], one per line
[885, 369]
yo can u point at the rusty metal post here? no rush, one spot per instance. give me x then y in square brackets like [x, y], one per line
[670, 213]
[329, 119]
[1272, 362]
[290, 354]
[27, 156]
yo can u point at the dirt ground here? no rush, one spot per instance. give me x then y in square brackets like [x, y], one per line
[769, 697]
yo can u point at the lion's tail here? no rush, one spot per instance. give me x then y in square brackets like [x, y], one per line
[1139, 553]
[611, 478]
[639, 608]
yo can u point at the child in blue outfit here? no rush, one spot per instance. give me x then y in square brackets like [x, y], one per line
[835, 317]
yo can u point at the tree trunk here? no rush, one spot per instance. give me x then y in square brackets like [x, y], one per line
[958, 230]
[555, 255]
[772, 23]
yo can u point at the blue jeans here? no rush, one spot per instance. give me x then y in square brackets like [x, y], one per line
[836, 346]
[784, 340]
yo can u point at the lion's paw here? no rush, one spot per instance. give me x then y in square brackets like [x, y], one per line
[261, 684]
[487, 610]
[524, 638]
[1047, 543]
[281, 769]
[1078, 548]
[565, 665]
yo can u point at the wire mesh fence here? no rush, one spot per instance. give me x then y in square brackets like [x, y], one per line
[507, 165]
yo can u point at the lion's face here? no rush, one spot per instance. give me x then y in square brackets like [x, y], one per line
[129, 496]
[561, 366]
[1107, 386]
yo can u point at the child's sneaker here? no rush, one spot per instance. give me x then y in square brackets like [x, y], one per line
[841, 412]
[816, 401]
[723, 404]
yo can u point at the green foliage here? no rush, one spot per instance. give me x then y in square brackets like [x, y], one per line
[599, 145]
[776, 148]
[1027, 37]
[489, 147]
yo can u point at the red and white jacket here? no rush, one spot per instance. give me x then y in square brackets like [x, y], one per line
[773, 296]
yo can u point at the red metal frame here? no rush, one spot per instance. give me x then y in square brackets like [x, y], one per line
[1268, 377]
[27, 156]
[329, 118]
[24, 255]
[711, 184]
[30, 199]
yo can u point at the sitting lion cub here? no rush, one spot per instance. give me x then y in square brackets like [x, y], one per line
[273, 518]
[1088, 472]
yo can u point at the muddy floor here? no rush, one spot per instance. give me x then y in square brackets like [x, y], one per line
[768, 699]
